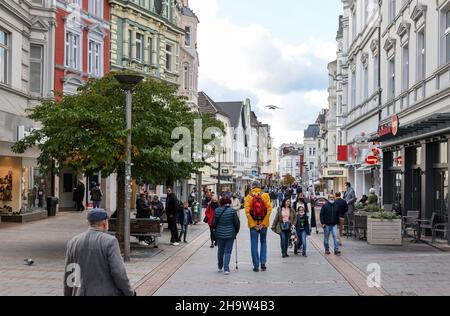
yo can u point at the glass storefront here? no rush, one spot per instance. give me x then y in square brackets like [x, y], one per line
[34, 190]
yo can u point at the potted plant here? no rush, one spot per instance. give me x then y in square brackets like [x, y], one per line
[384, 228]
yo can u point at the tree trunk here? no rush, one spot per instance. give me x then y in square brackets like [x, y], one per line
[121, 207]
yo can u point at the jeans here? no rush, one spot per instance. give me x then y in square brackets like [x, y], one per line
[334, 231]
[302, 240]
[97, 204]
[285, 236]
[224, 253]
[255, 237]
[173, 229]
[184, 230]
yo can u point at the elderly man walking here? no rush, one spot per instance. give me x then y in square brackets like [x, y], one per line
[94, 266]
[258, 209]
[329, 217]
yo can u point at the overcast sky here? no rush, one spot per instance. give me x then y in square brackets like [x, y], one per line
[272, 52]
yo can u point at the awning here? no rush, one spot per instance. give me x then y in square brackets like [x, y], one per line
[424, 128]
[367, 168]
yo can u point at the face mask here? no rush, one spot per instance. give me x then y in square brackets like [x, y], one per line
[332, 202]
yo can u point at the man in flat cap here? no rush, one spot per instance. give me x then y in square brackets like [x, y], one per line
[94, 265]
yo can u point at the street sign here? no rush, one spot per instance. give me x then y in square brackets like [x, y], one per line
[372, 160]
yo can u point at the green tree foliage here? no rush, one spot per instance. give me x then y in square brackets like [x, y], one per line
[288, 180]
[87, 131]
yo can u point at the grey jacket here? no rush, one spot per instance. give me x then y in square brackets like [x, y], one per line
[350, 198]
[101, 268]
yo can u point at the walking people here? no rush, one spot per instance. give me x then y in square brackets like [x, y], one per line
[303, 229]
[96, 195]
[185, 220]
[350, 197]
[78, 196]
[172, 211]
[342, 207]
[235, 203]
[282, 225]
[226, 225]
[258, 209]
[301, 202]
[273, 198]
[280, 197]
[94, 265]
[329, 217]
[210, 210]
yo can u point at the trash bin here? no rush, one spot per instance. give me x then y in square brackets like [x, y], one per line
[52, 202]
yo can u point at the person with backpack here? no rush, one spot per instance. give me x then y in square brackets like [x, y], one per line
[209, 216]
[283, 223]
[226, 226]
[96, 196]
[258, 209]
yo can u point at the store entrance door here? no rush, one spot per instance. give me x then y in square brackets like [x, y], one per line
[416, 190]
[441, 195]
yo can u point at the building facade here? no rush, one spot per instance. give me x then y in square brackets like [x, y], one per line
[146, 37]
[311, 143]
[289, 161]
[27, 31]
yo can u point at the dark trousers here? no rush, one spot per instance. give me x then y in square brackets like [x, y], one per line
[211, 235]
[79, 206]
[173, 229]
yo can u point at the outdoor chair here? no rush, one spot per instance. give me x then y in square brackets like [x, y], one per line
[360, 224]
[439, 228]
[409, 223]
[429, 224]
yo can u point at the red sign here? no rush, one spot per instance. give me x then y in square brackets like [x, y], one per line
[372, 160]
[395, 124]
[342, 153]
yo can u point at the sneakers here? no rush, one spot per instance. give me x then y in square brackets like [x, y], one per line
[256, 270]
[263, 267]
[227, 272]
[143, 243]
[175, 244]
[212, 246]
[305, 255]
[337, 253]
[327, 252]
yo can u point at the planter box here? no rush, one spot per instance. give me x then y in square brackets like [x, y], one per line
[384, 232]
[24, 218]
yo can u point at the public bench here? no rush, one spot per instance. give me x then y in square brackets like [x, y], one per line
[150, 229]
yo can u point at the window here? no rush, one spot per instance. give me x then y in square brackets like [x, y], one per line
[95, 53]
[188, 35]
[366, 82]
[130, 39]
[447, 36]
[4, 38]
[353, 94]
[72, 51]
[36, 68]
[139, 47]
[443, 153]
[354, 25]
[405, 68]
[376, 70]
[74, 2]
[169, 57]
[421, 51]
[96, 7]
[392, 10]
[186, 76]
[391, 78]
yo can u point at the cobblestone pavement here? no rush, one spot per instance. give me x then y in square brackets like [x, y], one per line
[414, 269]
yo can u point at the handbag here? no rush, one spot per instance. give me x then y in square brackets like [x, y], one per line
[205, 220]
[285, 226]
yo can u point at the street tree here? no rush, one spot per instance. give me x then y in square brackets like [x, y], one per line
[87, 132]
[288, 180]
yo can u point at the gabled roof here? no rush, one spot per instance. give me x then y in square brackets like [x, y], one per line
[207, 105]
[233, 110]
[186, 11]
[254, 119]
[312, 131]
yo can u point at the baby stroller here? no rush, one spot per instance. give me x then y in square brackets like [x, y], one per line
[293, 241]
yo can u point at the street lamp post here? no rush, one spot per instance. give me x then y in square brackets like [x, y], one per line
[128, 83]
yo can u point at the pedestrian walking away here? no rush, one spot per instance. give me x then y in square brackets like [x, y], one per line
[258, 209]
[329, 217]
[342, 207]
[282, 224]
[94, 266]
[226, 225]
[96, 195]
[209, 216]
[172, 212]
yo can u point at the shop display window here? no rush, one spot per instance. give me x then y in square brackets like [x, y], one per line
[34, 187]
[6, 191]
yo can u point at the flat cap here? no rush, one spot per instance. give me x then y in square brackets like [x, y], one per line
[97, 215]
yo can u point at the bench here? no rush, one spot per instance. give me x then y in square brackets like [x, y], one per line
[150, 229]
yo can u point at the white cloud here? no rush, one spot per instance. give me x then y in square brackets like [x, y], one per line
[250, 58]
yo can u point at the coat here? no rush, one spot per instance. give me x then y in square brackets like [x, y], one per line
[210, 213]
[307, 227]
[172, 206]
[342, 207]
[350, 198]
[278, 219]
[248, 201]
[101, 267]
[329, 215]
[236, 204]
[181, 217]
[227, 225]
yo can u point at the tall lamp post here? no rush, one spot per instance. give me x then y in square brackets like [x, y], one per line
[128, 82]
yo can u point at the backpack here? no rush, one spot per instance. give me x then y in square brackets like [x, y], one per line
[96, 194]
[258, 208]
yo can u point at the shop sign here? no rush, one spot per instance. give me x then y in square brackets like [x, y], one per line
[372, 160]
[395, 124]
[225, 171]
[342, 153]
[391, 128]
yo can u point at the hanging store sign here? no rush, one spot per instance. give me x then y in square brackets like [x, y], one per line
[390, 128]
[372, 160]
[395, 124]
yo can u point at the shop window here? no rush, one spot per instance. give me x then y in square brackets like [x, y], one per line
[6, 191]
[34, 190]
[397, 159]
[417, 159]
[443, 153]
